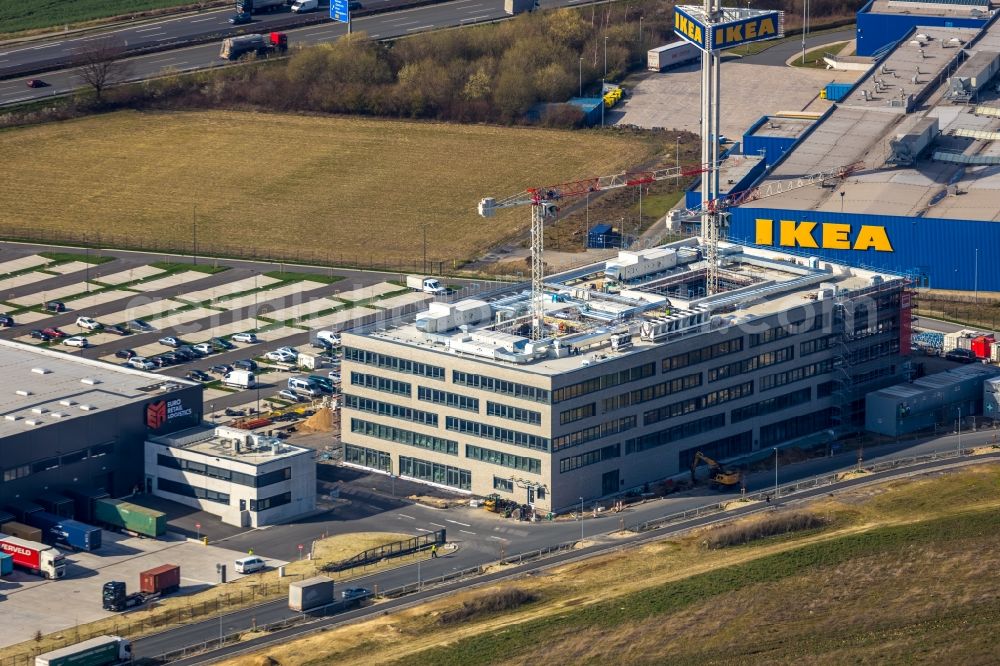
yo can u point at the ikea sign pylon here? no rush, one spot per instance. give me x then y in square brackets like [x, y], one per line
[731, 27]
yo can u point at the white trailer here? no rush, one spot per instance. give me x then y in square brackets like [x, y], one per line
[634, 265]
[672, 55]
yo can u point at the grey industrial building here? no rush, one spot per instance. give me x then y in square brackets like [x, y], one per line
[72, 424]
[633, 377]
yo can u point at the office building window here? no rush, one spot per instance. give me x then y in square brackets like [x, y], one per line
[446, 475]
[771, 405]
[577, 413]
[393, 363]
[384, 384]
[365, 457]
[590, 458]
[448, 399]
[533, 465]
[603, 382]
[506, 485]
[390, 409]
[502, 386]
[513, 413]
[696, 356]
[186, 490]
[496, 433]
[408, 437]
[698, 403]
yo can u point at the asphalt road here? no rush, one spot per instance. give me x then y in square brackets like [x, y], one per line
[480, 542]
[779, 54]
[378, 26]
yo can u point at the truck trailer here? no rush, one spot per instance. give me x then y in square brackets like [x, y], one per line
[258, 6]
[262, 46]
[132, 518]
[310, 593]
[37, 558]
[513, 7]
[21, 531]
[672, 55]
[428, 285]
[163, 579]
[100, 651]
[72, 533]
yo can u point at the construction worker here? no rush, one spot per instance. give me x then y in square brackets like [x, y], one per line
[434, 551]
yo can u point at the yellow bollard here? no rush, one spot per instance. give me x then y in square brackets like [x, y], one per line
[204, 540]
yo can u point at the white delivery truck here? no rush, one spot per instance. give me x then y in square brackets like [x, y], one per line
[428, 285]
[244, 379]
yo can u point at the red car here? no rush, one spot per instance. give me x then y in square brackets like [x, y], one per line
[53, 332]
[36, 83]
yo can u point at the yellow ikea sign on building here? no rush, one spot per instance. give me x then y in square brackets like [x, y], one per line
[815, 235]
[750, 30]
[732, 27]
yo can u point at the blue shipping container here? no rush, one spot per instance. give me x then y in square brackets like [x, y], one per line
[592, 108]
[6, 564]
[837, 91]
[65, 531]
[876, 31]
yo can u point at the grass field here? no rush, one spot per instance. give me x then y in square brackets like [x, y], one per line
[21, 15]
[814, 58]
[901, 572]
[335, 190]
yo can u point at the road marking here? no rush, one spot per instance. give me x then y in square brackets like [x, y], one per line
[195, 580]
[160, 60]
[468, 532]
[155, 27]
[497, 538]
[210, 18]
[419, 27]
[401, 24]
[435, 524]
[420, 529]
[477, 18]
[374, 36]
[455, 522]
[403, 515]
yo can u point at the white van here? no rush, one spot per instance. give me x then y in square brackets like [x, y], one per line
[300, 384]
[247, 565]
[329, 337]
[240, 379]
[300, 6]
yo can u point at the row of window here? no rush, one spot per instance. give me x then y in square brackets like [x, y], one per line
[45, 464]
[872, 352]
[698, 403]
[577, 413]
[817, 345]
[448, 399]
[179, 488]
[513, 413]
[533, 465]
[270, 502]
[675, 433]
[696, 356]
[213, 472]
[390, 409]
[788, 330]
[653, 392]
[590, 458]
[798, 426]
[594, 432]
[769, 382]
[502, 386]
[751, 364]
[727, 447]
[771, 405]
[433, 472]
[506, 485]
[603, 382]
[408, 437]
[383, 384]
[373, 458]
[496, 433]
[393, 363]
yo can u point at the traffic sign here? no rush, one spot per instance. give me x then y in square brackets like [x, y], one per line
[198, 525]
[339, 11]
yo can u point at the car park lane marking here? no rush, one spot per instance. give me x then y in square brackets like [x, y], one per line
[420, 529]
[448, 520]
[403, 515]
[195, 580]
[436, 524]
[497, 538]
[468, 532]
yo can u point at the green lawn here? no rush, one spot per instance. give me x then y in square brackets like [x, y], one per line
[20, 15]
[814, 58]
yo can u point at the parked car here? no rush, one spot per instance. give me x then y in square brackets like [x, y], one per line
[76, 341]
[6, 320]
[321, 344]
[170, 341]
[329, 337]
[141, 363]
[40, 335]
[160, 361]
[204, 348]
[55, 306]
[281, 356]
[172, 358]
[222, 343]
[355, 593]
[248, 565]
[220, 369]
[139, 326]
[250, 338]
[241, 19]
[53, 332]
[187, 353]
[36, 83]
[125, 354]
[88, 324]
[199, 376]
[245, 364]
[291, 350]
[333, 377]
[961, 355]
[322, 382]
[117, 330]
[291, 396]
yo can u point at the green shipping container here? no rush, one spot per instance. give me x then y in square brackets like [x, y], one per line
[132, 517]
[99, 651]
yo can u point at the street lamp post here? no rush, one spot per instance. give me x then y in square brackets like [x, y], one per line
[602, 102]
[581, 76]
[605, 61]
[640, 35]
[959, 431]
[677, 151]
[581, 519]
[775, 473]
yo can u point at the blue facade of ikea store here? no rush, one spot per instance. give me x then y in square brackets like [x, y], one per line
[939, 253]
[876, 31]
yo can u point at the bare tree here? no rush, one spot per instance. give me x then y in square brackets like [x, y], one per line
[100, 64]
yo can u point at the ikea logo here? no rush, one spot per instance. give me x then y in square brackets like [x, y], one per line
[692, 30]
[828, 236]
[738, 33]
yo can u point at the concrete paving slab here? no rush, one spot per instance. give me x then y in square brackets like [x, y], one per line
[302, 309]
[33, 604]
[22, 263]
[30, 317]
[372, 291]
[101, 338]
[340, 319]
[71, 267]
[185, 317]
[131, 275]
[403, 300]
[228, 288]
[27, 340]
[21, 280]
[242, 325]
[265, 295]
[92, 300]
[173, 280]
[51, 294]
[670, 99]
[142, 308]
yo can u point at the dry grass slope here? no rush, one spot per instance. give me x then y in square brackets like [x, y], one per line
[331, 189]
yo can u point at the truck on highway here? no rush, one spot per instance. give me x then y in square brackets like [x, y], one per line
[100, 651]
[262, 45]
[36, 557]
[513, 7]
[258, 6]
[72, 533]
[130, 517]
[428, 285]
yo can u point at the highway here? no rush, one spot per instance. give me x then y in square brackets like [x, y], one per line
[378, 26]
[480, 536]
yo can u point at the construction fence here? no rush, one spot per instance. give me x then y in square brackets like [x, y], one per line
[385, 551]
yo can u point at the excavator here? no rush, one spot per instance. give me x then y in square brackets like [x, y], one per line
[722, 478]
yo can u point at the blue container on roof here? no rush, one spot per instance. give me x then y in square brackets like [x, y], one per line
[937, 253]
[591, 107]
[837, 91]
[876, 31]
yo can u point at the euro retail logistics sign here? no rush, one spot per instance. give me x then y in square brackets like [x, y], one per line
[816, 235]
[161, 412]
